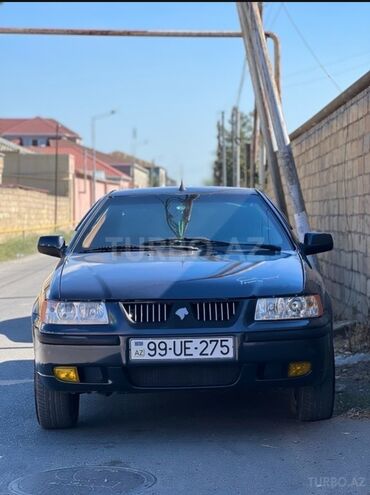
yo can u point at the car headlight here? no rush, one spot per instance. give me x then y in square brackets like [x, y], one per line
[74, 313]
[288, 308]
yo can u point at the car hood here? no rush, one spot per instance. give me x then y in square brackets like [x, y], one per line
[129, 276]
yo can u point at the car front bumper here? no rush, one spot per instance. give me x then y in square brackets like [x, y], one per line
[263, 356]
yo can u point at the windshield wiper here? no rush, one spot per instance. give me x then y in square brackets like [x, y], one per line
[146, 246]
[258, 247]
[185, 242]
[204, 242]
[171, 243]
[120, 248]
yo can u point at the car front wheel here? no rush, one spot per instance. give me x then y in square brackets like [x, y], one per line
[316, 402]
[55, 409]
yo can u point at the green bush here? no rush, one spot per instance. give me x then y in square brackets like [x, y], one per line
[20, 246]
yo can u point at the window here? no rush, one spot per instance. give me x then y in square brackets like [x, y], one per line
[232, 218]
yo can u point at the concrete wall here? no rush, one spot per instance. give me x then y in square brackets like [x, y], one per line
[24, 211]
[83, 194]
[139, 175]
[332, 153]
[1, 167]
[38, 171]
[158, 176]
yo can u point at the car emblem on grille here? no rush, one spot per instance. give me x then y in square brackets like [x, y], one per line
[182, 312]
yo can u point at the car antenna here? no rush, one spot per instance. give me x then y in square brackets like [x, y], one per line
[182, 187]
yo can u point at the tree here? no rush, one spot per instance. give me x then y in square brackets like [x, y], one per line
[245, 137]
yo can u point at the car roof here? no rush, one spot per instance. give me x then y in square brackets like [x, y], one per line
[148, 191]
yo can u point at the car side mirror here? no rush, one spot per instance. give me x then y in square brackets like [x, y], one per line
[317, 242]
[52, 245]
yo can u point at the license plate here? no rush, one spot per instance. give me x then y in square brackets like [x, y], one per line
[182, 349]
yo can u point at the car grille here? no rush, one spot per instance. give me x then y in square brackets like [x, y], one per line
[153, 313]
[215, 311]
[147, 312]
[184, 375]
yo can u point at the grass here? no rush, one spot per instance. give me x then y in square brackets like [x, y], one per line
[17, 247]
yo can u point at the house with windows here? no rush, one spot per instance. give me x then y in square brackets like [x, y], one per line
[156, 175]
[36, 131]
[59, 157]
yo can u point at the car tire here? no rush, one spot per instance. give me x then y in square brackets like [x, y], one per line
[316, 402]
[55, 410]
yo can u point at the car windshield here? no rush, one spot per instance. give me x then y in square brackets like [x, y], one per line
[167, 220]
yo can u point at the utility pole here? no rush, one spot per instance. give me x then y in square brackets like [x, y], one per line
[277, 59]
[277, 72]
[237, 147]
[262, 161]
[256, 129]
[85, 171]
[233, 147]
[56, 178]
[235, 134]
[217, 171]
[223, 144]
[254, 147]
[262, 110]
[93, 146]
[252, 26]
[247, 164]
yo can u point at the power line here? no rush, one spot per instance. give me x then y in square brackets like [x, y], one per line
[267, 6]
[317, 79]
[309, 48]
[241, 84]
[333, 62]
[276, 15]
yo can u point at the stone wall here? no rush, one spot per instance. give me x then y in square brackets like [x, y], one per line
[1, 167]
[24, 211]
[332, 153]
[38, 171]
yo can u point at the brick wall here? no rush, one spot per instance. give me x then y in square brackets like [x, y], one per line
[25, 211]
[1, 167]
[332, 153]
[38, 171]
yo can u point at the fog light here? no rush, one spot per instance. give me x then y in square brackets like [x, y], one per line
[299, 368]
[66, 374]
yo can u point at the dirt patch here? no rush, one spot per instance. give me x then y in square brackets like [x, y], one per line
[352, 339]
[353, 380]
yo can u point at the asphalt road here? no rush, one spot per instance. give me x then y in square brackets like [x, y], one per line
[186, 443]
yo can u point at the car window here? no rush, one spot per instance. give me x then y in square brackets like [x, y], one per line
[228, 218]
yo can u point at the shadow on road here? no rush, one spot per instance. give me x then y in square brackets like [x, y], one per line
[188, 414]
[194, 413]
[179, 413]
[198, 412]
[16, 370]
[17, 329]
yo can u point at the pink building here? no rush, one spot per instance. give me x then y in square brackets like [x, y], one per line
[108, 178]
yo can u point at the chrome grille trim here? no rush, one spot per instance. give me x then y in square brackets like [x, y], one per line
[215, 310]
[146, 312]
[154, 313]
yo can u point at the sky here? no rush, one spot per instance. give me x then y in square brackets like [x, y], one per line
[170, 92]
